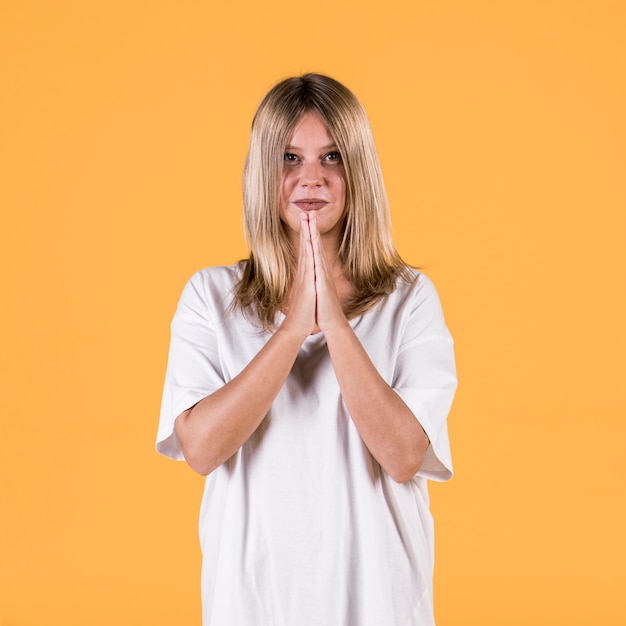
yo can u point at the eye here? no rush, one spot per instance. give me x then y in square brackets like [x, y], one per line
[332, 157]
[289, 157]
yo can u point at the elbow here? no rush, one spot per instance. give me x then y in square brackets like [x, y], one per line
[198, 465]
[196, 457]
[404, 473]
[402, 478]
[406, 467]
[198, 462]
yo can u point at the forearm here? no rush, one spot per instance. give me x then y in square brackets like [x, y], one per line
[217, 426]
[391, 432]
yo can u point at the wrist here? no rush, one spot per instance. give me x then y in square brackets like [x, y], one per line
[337, 330]
[290, 333]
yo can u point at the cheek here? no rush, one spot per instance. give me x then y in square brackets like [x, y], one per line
[286, 184]
[340, 186]
[286, 188]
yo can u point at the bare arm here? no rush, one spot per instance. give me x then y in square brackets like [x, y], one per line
[217, 426]
[387, 426]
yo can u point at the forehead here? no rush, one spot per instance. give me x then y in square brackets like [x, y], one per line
[311, 130]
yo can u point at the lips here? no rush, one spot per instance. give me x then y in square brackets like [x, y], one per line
[310, 204]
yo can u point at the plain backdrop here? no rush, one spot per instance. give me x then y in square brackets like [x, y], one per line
[501, 130]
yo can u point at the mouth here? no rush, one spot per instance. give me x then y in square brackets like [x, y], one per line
[310, 204]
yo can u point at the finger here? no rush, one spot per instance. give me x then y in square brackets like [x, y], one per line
[306, 229]
[318, 249]
[314, 232]
[304, 226]
[306, 256]
[304, 240]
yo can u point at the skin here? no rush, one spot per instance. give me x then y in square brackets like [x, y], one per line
[217, 426]
[312, 170]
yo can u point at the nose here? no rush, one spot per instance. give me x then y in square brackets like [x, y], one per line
[311, 174]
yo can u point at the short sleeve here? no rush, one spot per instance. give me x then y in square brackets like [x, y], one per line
[193, 367]
[425, 376]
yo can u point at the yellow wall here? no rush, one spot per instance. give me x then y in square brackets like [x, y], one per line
[501, 130]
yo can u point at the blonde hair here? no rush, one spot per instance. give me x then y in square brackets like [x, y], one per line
[369, 258]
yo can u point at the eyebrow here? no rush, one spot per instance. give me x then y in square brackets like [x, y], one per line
[332, 146]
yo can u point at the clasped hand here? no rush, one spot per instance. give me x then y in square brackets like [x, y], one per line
[314, 303]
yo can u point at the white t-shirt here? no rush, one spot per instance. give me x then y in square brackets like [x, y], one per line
[301, 526]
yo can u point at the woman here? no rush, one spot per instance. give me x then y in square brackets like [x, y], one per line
[311, 383]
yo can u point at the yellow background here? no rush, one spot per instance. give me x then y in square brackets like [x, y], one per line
[502, 134]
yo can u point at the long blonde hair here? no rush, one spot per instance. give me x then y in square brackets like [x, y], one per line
[369, 258]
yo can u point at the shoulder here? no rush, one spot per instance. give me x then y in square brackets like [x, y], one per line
[415, 287]
[221, 276]
[211, 286]
[417, 297]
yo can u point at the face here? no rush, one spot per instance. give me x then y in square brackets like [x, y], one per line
[313, 179]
